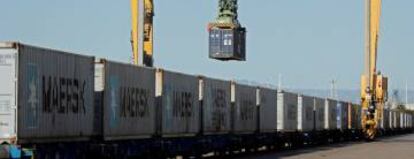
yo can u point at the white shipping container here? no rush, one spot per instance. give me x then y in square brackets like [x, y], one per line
[268, 109]
[45, 95]
[245, 108]
[319, 114]
[330, 114]
[178, 101]
[287, 111]
[216, 105]
[128, 93]
[305, 113]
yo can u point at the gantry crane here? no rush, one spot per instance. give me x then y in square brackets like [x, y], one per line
[374, 86]
[227, 42]
[227, 36]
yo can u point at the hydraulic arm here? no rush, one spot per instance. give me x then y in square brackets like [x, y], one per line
[373, 85]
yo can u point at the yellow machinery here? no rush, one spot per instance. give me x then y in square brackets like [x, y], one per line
[373, 85]
[374, 91]
[231, 48]
[142, 56]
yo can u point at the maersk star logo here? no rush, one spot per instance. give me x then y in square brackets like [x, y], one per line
[33, 101]
[113, 102]
[114, 86]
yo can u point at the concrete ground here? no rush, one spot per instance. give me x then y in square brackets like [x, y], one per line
[399, 147]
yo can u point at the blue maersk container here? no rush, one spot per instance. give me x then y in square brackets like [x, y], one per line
[227, 44]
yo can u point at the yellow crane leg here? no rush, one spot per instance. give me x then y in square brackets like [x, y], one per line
[146, 35]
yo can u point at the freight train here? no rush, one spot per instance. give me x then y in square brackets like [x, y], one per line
[55, 104]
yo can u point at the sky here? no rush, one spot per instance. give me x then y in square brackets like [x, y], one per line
[307, 42]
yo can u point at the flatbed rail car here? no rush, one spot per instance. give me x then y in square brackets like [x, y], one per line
[58, 104]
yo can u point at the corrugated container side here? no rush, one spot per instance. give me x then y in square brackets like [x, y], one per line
[359, 111]
[227, 44]
[245, 109]
[268, 110]
[128, 101]
[56, 95]
[354, 111]
[305, 113]
[405, 120]
[384, 124]
[216, 105]
[180, 109]
[345, 115]
[8, 101]
[330, 114]
[397, 120]
[394, 119]
[341, 115]
[287, 111]
[319, 113]
[402, 120]
[390, 119]
[350, 117]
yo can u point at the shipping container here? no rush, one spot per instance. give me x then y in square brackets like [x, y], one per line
[393, 117]
[405, 120]
[177, 101]
[319, 114]
[330, 114]
[268, 109]
[384, 122]
[341, 115]
[397, 124]
[305, 113]
[227, 44]
[354, 116]
[244, 108]
[45, 95]
[359, 117]
[128, 94]
[216, 105]
[402, 120]
[287, 111]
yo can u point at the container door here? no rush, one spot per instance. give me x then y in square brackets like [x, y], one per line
[7, 94]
